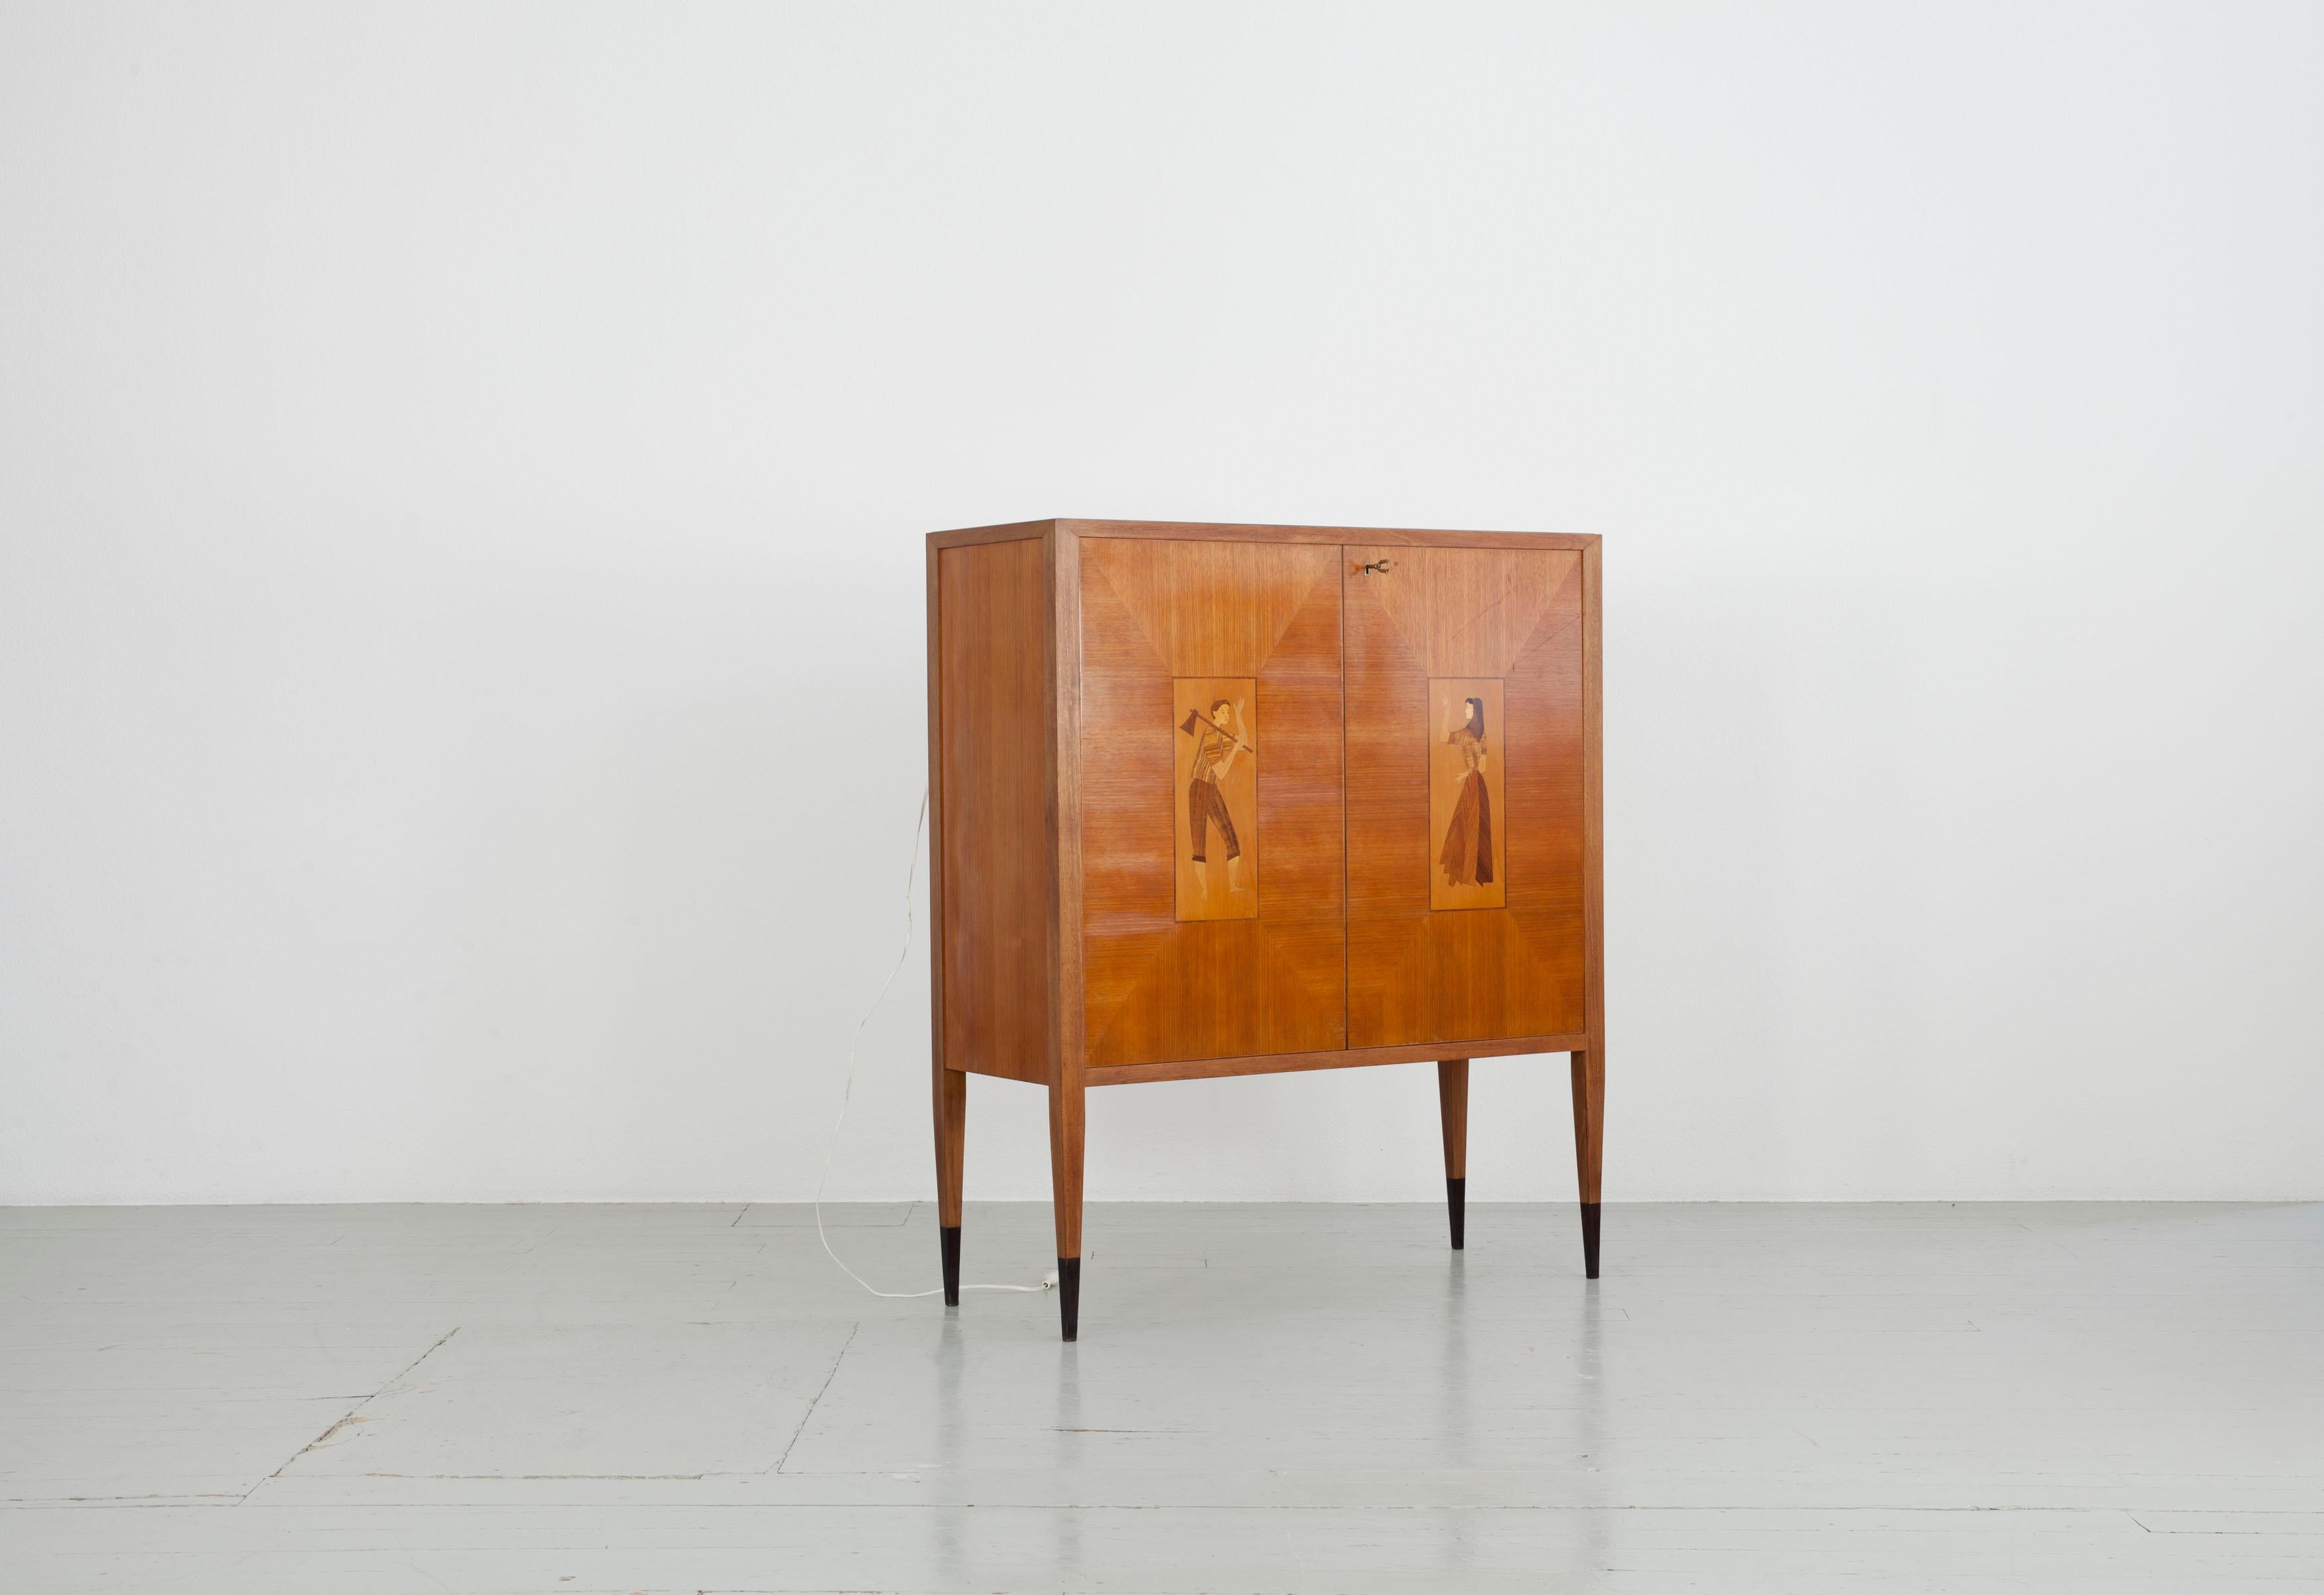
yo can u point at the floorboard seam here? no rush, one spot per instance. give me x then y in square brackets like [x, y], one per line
[352, 1410]
[808, 1414]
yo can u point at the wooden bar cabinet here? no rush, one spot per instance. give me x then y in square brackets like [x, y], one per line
[1237, 799]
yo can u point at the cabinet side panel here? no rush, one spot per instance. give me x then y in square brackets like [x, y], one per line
[993, 846]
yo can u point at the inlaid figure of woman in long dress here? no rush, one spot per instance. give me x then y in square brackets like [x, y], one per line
[1467, 856]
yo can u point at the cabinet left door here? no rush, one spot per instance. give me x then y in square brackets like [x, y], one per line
[1211, 763]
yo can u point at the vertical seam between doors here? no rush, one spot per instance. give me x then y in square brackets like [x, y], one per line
[1347, 906]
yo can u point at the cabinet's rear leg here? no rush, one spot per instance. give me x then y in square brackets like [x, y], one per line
[1452, 1101]
[1066, 1134]
[952, 1134]
[1589, 1145]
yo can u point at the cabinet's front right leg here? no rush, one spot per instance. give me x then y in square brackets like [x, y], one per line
[1066, 1133]
[1589, 1145]
[1453, 1102]
[951, 1136]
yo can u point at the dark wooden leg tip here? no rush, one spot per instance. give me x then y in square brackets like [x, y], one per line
[949, 1238]
[1456, 1205]
[1069, 1296]
[1589, 1239]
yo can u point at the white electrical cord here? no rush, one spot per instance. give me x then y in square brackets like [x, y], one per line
[911, 876]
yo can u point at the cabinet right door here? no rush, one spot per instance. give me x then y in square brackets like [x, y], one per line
[1464, 812]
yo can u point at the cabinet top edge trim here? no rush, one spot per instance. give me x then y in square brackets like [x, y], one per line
[1013, 531]
[1256, 533]
[1416, 537]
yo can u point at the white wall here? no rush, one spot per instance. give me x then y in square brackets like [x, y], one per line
[462, 471]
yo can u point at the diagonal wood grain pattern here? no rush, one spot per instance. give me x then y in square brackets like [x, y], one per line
[1415, 975]
[1155, 989]
[1472, 612]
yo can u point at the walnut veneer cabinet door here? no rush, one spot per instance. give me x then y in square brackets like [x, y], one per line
[1465, 822]
[1211, 919]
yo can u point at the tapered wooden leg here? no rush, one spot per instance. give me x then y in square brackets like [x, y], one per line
[1066, 1135]
[1589, 1145]
[1453, 1102]
[952, 1126]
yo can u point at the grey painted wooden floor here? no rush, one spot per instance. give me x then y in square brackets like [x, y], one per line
[1798, 1398]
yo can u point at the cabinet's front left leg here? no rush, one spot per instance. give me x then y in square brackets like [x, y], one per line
[952, 1136]
[1452, 1101]
[1589, 1145]
[1066, 1132]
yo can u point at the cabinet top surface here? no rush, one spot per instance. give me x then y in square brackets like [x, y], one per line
[1225, 531]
